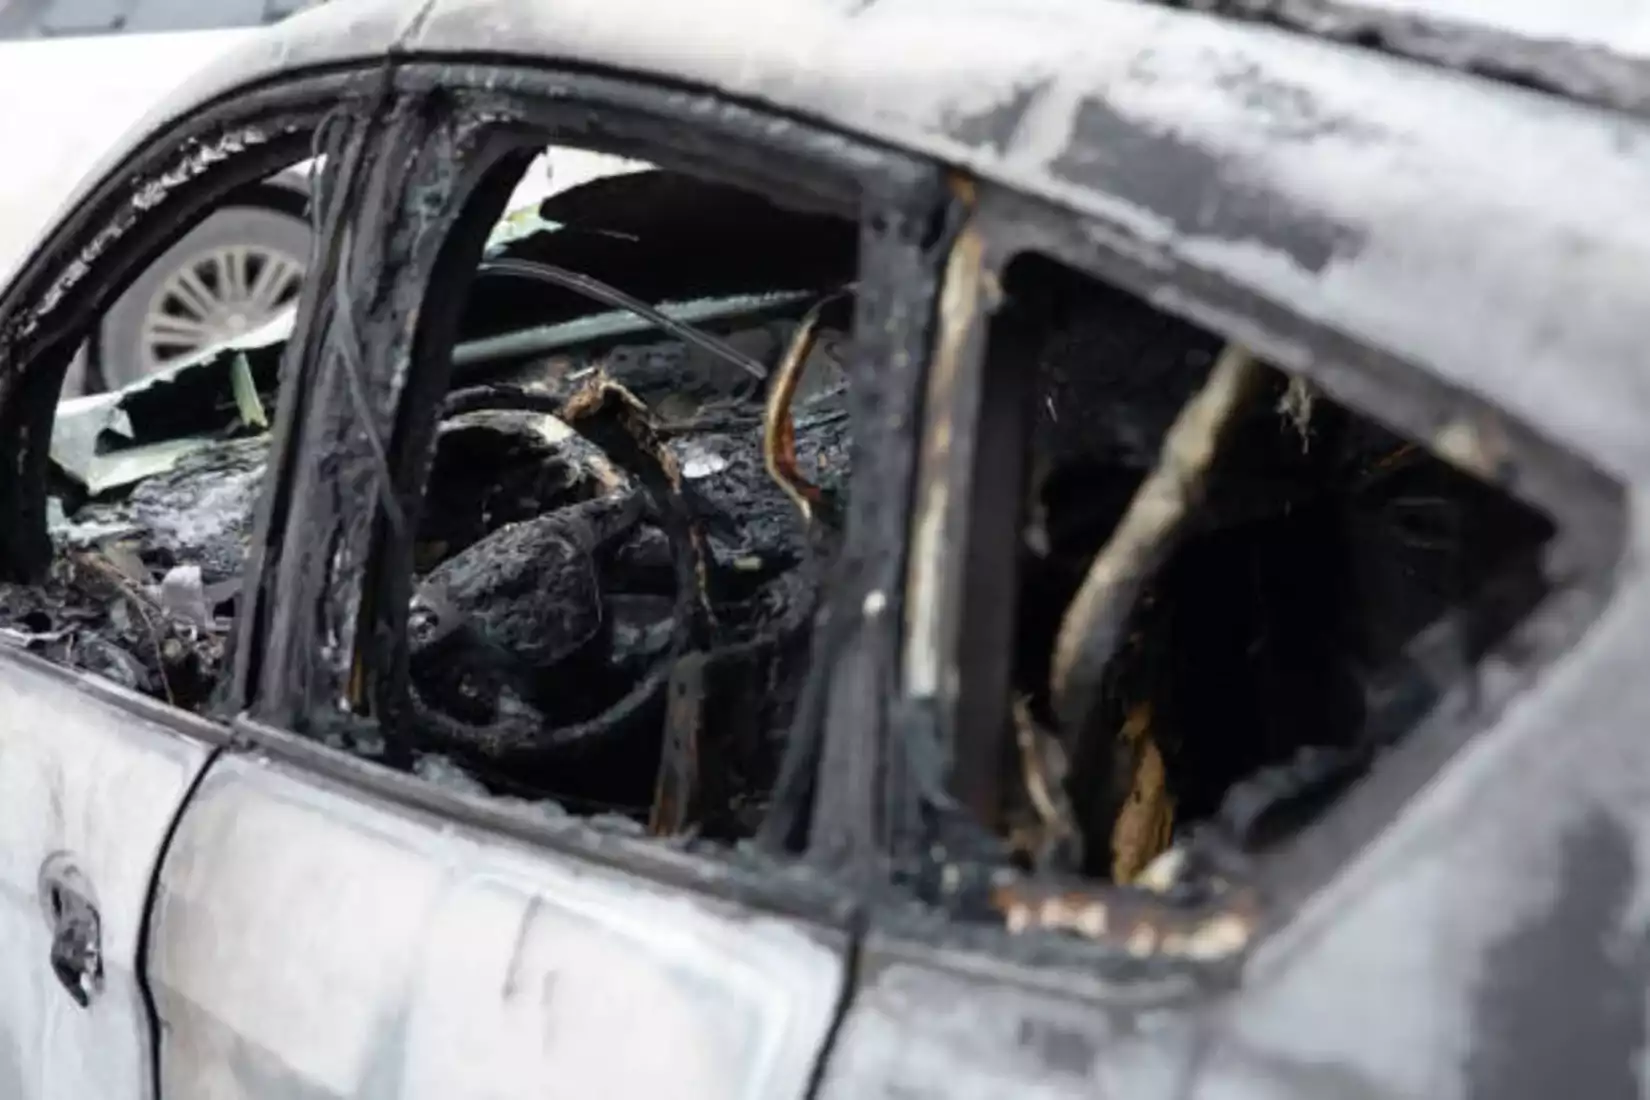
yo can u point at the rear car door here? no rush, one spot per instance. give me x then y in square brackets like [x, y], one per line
[582, 840]
[1251, 635]
[110, 690]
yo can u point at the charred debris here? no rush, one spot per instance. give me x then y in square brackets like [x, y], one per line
[634, 494]
[1228, 595]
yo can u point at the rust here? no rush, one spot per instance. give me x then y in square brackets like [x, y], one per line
[676, 791]
[1145, 823]
[688, 755]
[778, 428]
[601, 395]
[1138, 922]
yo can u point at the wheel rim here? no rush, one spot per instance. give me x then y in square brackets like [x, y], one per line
[218, 295]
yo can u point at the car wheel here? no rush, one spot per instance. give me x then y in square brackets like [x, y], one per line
[229, 275]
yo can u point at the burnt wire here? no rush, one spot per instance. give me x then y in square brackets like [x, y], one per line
[778, 424]
[349, 350]
[613, 296]
[325, 146]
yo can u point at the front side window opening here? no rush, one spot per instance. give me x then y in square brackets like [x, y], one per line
[636, 489]
[1232, 592]
[152, 484]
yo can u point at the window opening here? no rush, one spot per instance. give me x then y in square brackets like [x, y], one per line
[636, 488]
[152, 483]
[1231, 593]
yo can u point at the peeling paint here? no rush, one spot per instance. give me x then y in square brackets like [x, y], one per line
[996, 125]
[1199, 194]
[1593, 63]
[1359, 194]
[196, 162]
[145, 196]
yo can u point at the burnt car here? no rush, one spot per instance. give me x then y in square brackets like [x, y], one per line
[1045, 549]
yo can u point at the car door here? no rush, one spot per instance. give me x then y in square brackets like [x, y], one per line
[90, 780]
[110, 702]
[1248, 638]
[357, 902]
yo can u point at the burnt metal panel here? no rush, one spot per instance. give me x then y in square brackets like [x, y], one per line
[1489, 237]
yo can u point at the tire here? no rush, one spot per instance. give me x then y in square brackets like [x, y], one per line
[189, 298]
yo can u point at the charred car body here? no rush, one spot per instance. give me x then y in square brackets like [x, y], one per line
[1062, 570]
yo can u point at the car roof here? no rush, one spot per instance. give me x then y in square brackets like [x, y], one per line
[1594, 51]
[81, 18]
[1493, 234]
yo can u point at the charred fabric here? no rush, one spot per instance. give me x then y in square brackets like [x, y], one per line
[632, 509]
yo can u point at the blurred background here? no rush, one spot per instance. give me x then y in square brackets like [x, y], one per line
[75, 75]
[49, 18]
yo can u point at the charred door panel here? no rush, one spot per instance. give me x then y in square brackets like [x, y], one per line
[312, 942]
[88, 791]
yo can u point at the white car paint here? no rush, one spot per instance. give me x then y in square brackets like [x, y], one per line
[66, 100]
[81, 775]
[379, 951]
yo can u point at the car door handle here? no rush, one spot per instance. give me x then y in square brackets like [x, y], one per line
[71, 914]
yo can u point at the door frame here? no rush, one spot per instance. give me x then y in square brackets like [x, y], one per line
[905, 225]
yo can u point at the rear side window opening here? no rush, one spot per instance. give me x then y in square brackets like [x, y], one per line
[1197, 600]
